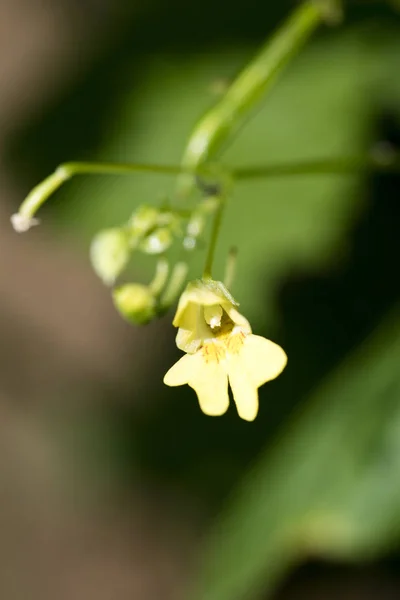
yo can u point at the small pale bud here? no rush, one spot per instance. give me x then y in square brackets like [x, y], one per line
[196, 225]
[21, 223]
[171, 220]
[135, 302]
[189, 243]
[109, 253]
[157, 242]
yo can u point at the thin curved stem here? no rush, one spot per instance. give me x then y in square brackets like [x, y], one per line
[160, 277]
[24, 219]
[216, 226]
[233, 109]
[230, 267]
[382, 162]
[75, 168]
[385, 163]
[174, 287]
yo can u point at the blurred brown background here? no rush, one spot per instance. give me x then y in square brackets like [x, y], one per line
[62, 536]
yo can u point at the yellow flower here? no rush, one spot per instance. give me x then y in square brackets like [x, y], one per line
[220, 346]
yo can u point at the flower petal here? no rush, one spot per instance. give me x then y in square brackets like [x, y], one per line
[201, 293]
[193, 329]
[197, 296]
[244, 391]
[181, 371]
[262, 359]
[208, 379]
[210, 382]
[237, 318]
[187, 315]
[187, 341]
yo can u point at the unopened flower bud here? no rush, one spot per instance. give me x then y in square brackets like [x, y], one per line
[210, 204]
[135, 302]
[196, 225]
[157, 242]
[109, 253]
[143, 220]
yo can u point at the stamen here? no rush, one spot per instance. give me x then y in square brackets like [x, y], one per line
[213, 315]
[215, 322]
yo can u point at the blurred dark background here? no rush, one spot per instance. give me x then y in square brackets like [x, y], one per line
[111, 482]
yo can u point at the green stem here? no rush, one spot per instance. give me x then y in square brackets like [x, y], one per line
[174, 287]
[251, 84]
[230, 267]
[384, 163]
[216, 226]
[24, 219]
[75, 168]
[160, 277]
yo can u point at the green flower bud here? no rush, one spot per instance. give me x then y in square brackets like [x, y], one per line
[196, 225]
[135, 302]
[157, 242]
[171, 220]
[210, 204]
[109, 254]
[143, 220]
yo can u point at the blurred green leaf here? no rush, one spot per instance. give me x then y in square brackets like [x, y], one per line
[329, 487]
